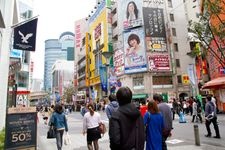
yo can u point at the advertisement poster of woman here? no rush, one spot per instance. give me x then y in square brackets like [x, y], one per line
[135, 56]
[133, 15]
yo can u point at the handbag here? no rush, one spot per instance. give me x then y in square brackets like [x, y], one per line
[51, 133]
[102, 128]
[67, 140]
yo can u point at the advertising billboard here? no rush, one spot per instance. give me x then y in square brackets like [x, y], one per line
[134, 51]
[118, 62]
[99, 41]
[155, 31]
[131, 13]
[80, 31]
[159, 62]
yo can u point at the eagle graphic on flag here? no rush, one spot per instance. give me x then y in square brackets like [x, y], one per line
[25, 38]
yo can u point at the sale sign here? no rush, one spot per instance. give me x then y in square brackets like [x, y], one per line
[21, 128]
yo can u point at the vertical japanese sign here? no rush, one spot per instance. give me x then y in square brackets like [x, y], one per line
[118, 62]
[155, 29]
[21, 128]
[134, 49]
[103, 78]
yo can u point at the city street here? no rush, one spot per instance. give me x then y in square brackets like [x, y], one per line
[182, 135]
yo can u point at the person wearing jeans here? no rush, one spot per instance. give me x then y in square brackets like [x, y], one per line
[59, 121]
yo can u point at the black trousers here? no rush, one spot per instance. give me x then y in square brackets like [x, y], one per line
[199, 116]
[216, 128]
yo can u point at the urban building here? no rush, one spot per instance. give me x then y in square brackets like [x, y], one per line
[162, 64]
[215, 54]
[54, 47]
[80, 62]
[62, 73]
[14, 64]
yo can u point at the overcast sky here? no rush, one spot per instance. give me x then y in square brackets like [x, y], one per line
[56, 17]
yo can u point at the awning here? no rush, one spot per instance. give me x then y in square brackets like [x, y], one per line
[215, 83]
[135, 96]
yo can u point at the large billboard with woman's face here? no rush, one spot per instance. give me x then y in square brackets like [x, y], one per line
[134, 49]
[130, 13]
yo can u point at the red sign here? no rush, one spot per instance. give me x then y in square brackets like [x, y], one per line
[159, 62]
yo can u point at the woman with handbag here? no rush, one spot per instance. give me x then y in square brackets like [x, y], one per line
[59, 121]
[91, 123]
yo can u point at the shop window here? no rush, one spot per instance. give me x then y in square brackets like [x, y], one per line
[138, 83]
[175, 45]
[22, 79]
[179, 79]
[172, 17]
[178, 62]
[174, 32]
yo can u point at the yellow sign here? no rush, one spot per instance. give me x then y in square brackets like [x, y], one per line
[95, 80]
[185, 79]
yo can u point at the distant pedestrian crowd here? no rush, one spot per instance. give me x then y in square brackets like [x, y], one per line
[133, 127]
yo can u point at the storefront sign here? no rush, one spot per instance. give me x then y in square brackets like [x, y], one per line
[21, 128]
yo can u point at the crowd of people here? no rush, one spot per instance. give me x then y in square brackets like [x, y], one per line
[129, 127]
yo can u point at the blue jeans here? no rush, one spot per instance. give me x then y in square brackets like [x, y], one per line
[59, 139]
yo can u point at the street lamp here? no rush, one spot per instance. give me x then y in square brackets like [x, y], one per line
[107, 55]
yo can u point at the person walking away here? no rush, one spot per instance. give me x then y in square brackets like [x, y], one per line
[59, 121]
[190, 102]
[167, 117]
[154, 123]
[211, 117]
[175, 108]
[126, 126]
[199, 110]
[91, 122]
[196, 111]
[112, 106]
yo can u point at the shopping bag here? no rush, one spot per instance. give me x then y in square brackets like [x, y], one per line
[51, 133]
[67, 140]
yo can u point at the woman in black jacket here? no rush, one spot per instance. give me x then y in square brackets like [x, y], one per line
[126, 126]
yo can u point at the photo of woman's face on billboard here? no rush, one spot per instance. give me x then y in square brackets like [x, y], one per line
[134, 49]
[132, 12]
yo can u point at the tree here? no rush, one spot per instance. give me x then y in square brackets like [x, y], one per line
[210, 29]
[68, 93]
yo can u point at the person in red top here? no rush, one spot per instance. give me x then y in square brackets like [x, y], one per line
[143, 109]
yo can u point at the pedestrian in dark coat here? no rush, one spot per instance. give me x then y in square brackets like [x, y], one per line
[126, 126]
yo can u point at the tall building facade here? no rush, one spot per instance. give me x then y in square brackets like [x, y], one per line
[80, 61]
[56, 49]
[159, 64]
[215, 52]
[62, 75]
[12, 13]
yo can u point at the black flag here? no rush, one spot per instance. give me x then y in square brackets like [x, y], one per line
[25, 36]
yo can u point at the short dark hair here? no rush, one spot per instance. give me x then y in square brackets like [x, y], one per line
[112, 97]
[58, 108]
[209, 97]
[157, 97]
[133, 37]
[124, 95]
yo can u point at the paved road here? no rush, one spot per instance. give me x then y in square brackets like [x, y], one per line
[182, 136]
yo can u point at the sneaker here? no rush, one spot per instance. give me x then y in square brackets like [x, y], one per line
[217, 137]
[207, 135]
